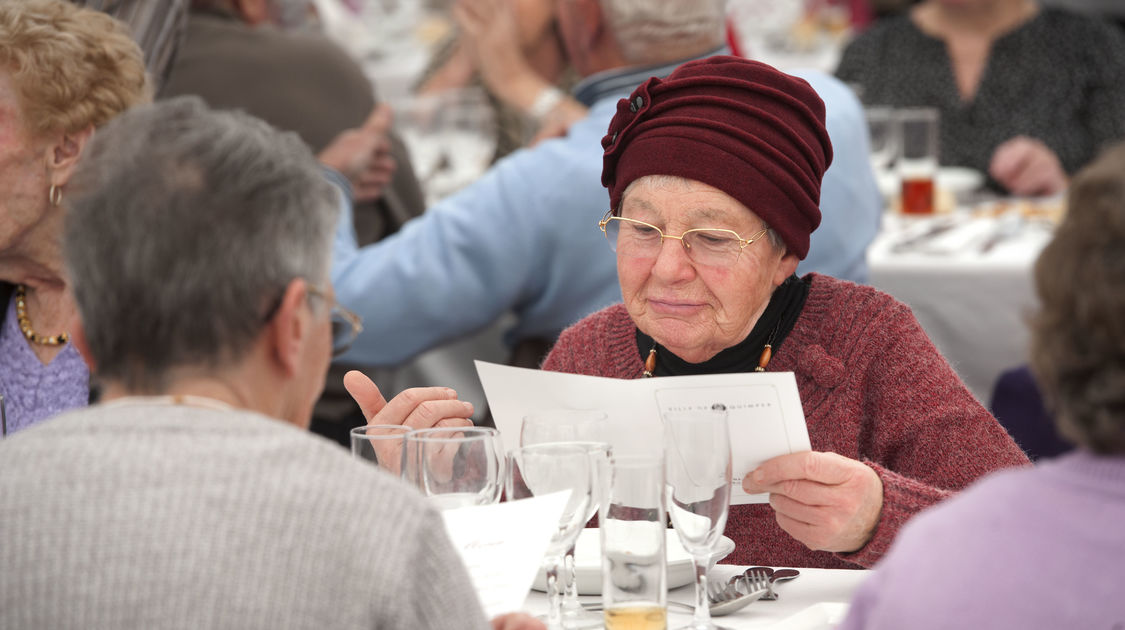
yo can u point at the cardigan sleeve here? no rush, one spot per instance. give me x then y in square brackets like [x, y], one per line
[922, 431]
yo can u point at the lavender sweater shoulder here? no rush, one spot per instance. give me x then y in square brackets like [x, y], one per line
[1034, 548]
[873, 388]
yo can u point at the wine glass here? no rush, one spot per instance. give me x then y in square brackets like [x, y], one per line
[542, 469]
[698, 477]
[588, 429]
[456, 467]
[381, 444]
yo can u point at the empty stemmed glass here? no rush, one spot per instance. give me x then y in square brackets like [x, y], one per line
[542, 469]
[456, 467]
[381, 444]
[589, 430]
[698, 478]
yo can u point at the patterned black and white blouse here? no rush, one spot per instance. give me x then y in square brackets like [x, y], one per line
[1059, 77]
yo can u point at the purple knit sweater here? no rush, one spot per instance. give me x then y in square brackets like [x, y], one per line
[1034, 548]
[873, 388]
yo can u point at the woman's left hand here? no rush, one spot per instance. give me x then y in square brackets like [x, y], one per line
[827, 501]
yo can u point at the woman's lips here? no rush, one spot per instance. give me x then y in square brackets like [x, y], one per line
[674, 307]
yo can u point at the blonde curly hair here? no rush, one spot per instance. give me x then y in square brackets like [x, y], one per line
[71, 67]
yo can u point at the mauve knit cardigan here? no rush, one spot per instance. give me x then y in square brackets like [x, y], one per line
[873, 388]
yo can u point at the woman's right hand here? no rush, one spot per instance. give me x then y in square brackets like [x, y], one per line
[417, 407]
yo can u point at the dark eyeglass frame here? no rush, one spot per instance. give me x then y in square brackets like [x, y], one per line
[346, 324]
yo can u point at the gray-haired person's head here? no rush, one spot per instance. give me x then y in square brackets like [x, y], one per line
[651, 31]
[1078, 335]
[184, 227]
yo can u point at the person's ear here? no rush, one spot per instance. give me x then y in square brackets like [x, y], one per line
[77, 334]
[785, 268]
[63, 155]
[289, 329]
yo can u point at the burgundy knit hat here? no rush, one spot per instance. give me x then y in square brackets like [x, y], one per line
[744, 127]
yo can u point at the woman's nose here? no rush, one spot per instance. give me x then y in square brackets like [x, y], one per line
[672, 263]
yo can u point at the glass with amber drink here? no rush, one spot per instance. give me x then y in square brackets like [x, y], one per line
[918, 158]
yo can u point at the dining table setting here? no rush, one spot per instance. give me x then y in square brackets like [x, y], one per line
[815, 600]
[519, 501]
[965, 269]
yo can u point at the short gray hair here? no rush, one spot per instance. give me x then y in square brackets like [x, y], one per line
[648, 29]
[184, 226]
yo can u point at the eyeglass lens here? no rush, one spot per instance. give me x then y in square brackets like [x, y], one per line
[639, 240]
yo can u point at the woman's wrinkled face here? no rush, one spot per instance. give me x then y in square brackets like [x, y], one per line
[692, 310]
[23, 169]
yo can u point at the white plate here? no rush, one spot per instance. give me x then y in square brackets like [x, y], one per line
[588, 562]
[957, 179]
[822, 616]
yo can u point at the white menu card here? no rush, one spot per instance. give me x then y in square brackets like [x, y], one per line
[503, 545]
[763, 410]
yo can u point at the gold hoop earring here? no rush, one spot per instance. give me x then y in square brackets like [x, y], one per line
[55, 195]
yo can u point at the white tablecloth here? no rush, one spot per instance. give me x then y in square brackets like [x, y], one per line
[814, 587]
[972, 300]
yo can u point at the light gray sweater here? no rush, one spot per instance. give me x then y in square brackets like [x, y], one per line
[143, 515]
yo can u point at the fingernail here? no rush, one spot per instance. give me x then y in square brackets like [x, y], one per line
[468, 407]
[759, 476]
[452, 393]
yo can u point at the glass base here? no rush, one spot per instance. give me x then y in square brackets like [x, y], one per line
[581, 619]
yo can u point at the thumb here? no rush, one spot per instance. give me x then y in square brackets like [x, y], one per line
[365, 393]
[379, 121]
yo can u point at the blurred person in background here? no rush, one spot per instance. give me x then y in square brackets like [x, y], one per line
[1051, 536]
[1027, 95]
[64, 71]
[512, 48]
[192, 496]
[256, 55]
[523, 237]
[157, 27]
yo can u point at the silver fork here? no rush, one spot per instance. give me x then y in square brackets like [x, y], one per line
[736, 594]
[774, 576]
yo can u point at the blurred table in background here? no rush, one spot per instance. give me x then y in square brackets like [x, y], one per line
[967, 275]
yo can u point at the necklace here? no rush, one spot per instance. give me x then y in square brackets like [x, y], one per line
[763, 359]
[25, 323]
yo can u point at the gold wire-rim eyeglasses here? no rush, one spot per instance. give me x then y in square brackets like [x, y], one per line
[742, 242]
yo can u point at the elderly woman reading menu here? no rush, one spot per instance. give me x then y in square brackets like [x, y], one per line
[714, 179]
[64, 70]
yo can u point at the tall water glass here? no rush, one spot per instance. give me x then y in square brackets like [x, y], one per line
[381, 444]
[456, 467]
[882, 129]
[542, 469]
[698, 468]
[588, 428]
[633, 536]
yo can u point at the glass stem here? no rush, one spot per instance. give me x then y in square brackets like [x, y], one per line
[554, 594]
[570, 600]
[701, 619]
